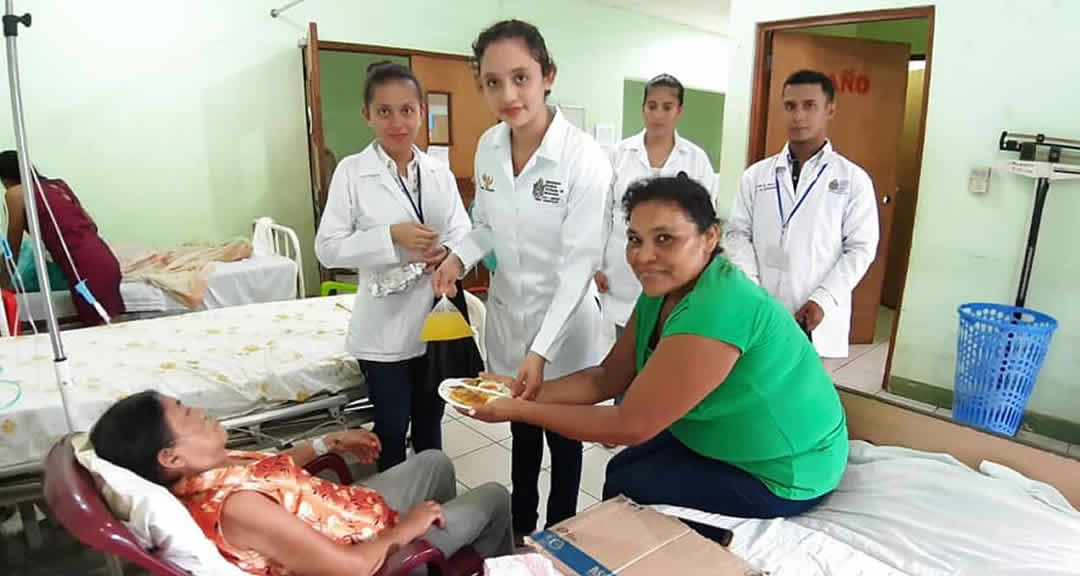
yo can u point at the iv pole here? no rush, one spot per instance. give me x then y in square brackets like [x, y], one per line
[60, 362]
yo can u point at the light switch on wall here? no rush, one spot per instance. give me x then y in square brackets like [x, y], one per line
[979, 180]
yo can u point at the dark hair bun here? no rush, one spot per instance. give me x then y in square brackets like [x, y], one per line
[683, 190]
[383, 71]
[376, 65]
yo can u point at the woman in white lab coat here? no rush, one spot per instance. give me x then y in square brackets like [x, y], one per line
[390, 212]
[542, 188]
[658, 150]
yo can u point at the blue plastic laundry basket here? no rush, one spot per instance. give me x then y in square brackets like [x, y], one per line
[999, 352]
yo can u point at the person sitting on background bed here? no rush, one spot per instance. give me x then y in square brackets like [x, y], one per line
[728, 408]
[268, 516]
[96, 263]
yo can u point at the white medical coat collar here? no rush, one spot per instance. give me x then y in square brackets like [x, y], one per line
[551, 146]
[389, 162]
[372, 161]
[638, 144]
[783, 159]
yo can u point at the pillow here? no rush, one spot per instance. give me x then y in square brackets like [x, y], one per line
[1040, 491]
[157, 519]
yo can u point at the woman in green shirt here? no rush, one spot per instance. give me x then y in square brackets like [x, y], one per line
[727, 407]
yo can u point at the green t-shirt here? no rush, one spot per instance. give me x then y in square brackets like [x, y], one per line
[777, 415]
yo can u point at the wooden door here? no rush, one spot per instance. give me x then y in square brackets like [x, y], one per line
[903, 223]
[871, 81]
[316, 141]
[469, 118]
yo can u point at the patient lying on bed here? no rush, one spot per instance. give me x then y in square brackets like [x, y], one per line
[268, 516]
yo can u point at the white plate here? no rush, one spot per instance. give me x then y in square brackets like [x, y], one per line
[444, 392]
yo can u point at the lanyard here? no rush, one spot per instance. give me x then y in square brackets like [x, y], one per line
[779, 202]
[418, 205]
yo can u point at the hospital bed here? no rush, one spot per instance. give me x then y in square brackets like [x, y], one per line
[279, 368]
[274, 276]
[927, 497]
[234, 360]
[272, 372]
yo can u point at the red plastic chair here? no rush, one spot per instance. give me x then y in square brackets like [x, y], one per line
[73, 498]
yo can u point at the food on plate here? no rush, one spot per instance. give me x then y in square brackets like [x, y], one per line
[492, 385]
[470, 397]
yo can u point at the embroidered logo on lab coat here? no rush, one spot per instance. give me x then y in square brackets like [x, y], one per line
[547, 191]
[487, 183]
[839, 186]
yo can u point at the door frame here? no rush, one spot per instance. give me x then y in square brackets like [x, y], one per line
[759, 108]
[476, 280]
[377, 49]
[314, 100]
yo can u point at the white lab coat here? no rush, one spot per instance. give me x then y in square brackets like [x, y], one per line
[630, 160]
[546, 227]
[365, 199]
[829, 243]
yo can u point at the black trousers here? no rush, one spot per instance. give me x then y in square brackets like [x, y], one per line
[401, 395]
[525, 474]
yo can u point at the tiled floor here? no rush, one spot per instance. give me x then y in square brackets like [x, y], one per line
[864, 368]
[481, 453]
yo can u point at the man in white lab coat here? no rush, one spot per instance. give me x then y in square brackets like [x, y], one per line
[804, 223]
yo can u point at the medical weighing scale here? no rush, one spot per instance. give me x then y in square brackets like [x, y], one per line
[1040, 158]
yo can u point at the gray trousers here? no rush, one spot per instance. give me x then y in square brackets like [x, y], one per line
[479, 518]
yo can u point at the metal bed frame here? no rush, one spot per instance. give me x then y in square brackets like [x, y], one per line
[284, 241]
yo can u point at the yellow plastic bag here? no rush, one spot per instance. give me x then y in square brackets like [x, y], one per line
[445, 322]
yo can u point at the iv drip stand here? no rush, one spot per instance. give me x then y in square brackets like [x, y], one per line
[11, 24]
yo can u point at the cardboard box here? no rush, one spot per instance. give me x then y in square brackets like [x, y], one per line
[624, 538]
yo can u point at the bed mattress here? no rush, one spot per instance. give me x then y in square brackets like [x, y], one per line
[269, 278]
[225, 360]
[901, 511]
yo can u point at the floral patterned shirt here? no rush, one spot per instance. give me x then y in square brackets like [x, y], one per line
[347, 514]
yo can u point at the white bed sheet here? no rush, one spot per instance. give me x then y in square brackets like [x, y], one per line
[225, 360]
[781, 547]
[268, 278]
[901, 511]
[929, 514]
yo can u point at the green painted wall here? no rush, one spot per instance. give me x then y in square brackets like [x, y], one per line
[913, 31]
[965, 248]
[342, 76]
[191, 123]
[702, 121]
